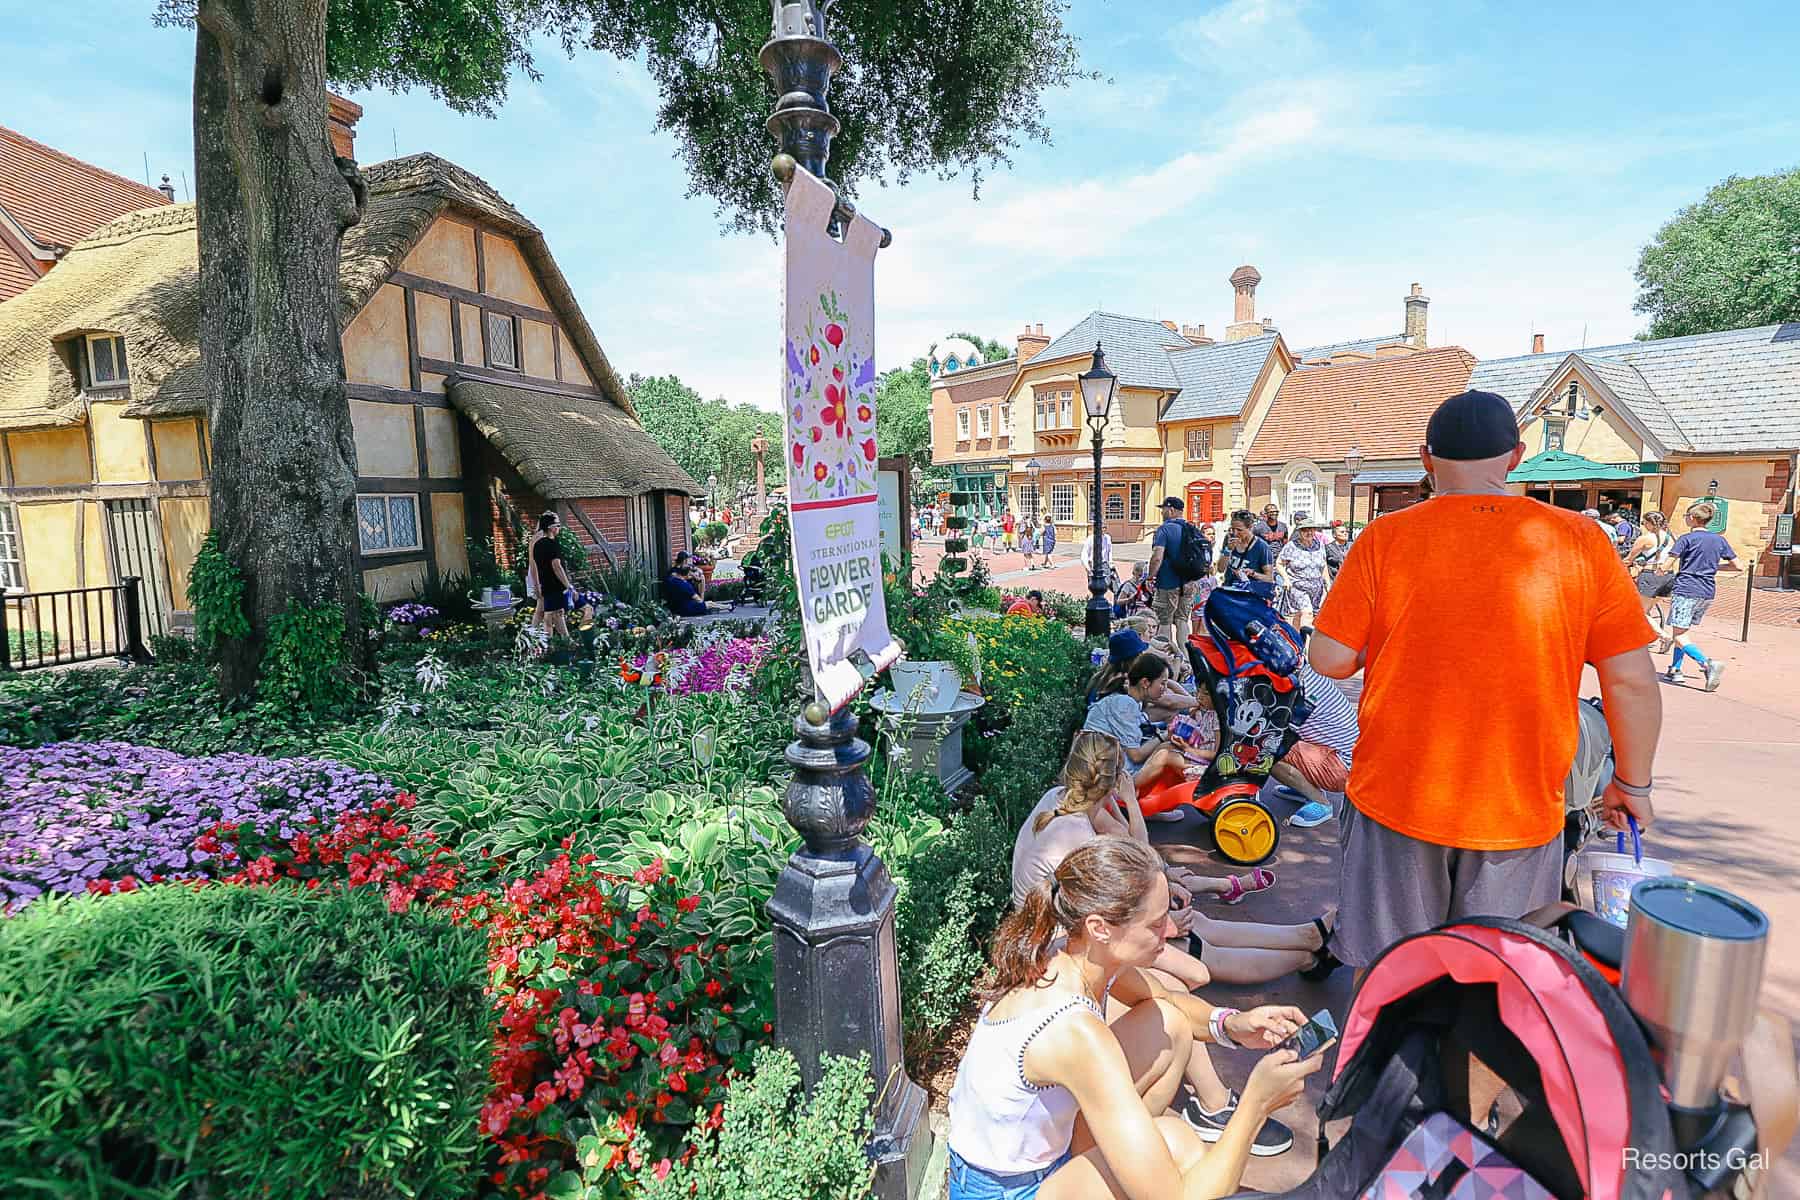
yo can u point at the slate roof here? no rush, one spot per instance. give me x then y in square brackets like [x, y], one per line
[1379, 405]
[567, 447]
[58, 200]
[1389, 476]
[1137, 349]
[1726, 392]
[139, 276]
[1216, 380]
[1212, 380]
[1361, 346]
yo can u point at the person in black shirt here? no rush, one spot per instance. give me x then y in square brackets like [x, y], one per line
[1337, 547]
[552, 576]
[683, 597]
[1271, 529]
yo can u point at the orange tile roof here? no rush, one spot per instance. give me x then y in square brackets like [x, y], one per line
[59, 200]
[1380, 405]
[15, 273]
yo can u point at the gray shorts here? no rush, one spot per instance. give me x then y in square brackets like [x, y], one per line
[1393, 886]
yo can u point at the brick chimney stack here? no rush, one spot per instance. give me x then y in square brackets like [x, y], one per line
[1196, 334]
[1243, 315]
[1416, 304]
[1031, 342]
[1537, 343]
[341, 116]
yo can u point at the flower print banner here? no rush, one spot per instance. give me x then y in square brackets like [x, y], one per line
[828, 391]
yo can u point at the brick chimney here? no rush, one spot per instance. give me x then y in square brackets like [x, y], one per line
[341, 116]
[1243, 314]
[1416, 304]
[1537, 343]
[1031, 342]
[1196, 334]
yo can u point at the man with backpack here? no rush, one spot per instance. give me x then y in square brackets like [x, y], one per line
[1179, 558]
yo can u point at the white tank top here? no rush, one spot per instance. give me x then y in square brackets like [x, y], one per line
[998, 1121]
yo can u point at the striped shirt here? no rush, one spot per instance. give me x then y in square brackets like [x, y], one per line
[1333, 721]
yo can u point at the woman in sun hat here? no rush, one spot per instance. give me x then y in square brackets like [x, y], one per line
[1303, 566]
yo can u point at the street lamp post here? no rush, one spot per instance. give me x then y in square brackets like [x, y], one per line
[1034, 471]
[1353, 461]
[1097, 387]
[837, 983]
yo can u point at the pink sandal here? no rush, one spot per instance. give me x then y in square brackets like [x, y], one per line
[1260, 880]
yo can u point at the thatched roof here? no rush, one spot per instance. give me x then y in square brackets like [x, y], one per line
[568, 446]
[139, 276]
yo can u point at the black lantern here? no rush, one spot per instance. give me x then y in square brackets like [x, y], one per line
[1097, 387]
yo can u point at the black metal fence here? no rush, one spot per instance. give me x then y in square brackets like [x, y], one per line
[47, 629]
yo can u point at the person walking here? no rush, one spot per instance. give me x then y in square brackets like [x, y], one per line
[1649, 563]
[1337, 547]
[1701, 555]
[1172, 605]
[1048, 542]
[1028, 543]
[1106, 557]
[1303, 566]
[1470, 684]
[1008, 529]
[553, 583]
[1246, 558]
[1271, 529]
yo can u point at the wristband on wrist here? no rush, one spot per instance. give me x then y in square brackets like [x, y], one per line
[1637, 791]
[1220, 1034]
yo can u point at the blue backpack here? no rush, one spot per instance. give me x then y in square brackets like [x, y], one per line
[1244, 615]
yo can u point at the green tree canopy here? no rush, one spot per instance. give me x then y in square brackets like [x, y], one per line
[707, 437]
[991, 350]
[1731, 261]
[927, 85]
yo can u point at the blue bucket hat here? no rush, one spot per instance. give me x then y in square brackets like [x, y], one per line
[1125, 645]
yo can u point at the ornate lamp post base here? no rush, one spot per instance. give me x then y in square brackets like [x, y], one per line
[837, 985]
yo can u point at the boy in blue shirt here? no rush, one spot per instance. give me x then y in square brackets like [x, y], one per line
[1700, 555]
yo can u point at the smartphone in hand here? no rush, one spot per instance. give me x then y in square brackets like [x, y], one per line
[1313, 1036]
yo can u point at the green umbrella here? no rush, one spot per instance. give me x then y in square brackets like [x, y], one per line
[1559, 466]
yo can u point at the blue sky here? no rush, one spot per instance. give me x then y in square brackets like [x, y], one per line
[1511, 158]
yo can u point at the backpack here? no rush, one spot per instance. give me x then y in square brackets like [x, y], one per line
[1193, 557]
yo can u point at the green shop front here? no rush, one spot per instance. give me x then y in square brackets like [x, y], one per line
[1571, 481]
[981, 485]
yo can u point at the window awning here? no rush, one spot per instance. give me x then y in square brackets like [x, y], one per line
[1389, 477]
[1559, 466]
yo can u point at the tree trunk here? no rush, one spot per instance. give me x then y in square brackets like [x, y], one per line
[273, 206]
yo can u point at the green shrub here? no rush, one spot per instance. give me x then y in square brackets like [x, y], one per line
[240, 1042]
[304, 665]
[774, 1143]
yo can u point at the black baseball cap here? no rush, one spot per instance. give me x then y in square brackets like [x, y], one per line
[1173, 502]
[1470, 426]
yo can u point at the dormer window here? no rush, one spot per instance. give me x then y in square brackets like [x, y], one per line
[106, 361]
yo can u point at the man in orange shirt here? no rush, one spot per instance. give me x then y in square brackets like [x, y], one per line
[1470, 681]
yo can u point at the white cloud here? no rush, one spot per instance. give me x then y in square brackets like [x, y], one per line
[1246, 37]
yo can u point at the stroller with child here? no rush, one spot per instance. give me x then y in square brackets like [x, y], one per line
[1245, 656]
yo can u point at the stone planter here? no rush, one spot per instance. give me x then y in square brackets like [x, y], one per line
[933, 740]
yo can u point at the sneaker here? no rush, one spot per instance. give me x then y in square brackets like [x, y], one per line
[1311, 814]
[1715, 671]
[1272, 1139]
[1670, 676]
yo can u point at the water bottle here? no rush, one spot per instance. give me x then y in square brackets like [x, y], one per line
[1254, 630]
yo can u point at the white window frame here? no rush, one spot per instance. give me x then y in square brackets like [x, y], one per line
[1067, 411]
[1114, 497]
[984, 422]
[1556, 429]
[1062, 503]
[1204, 453]
[1028, 501]
[1134, 509]
[119, 360]
[411, 498]
[1006, 420]
[962, 424]
[12, 550]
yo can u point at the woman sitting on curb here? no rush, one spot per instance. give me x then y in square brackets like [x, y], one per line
[1093, 798]
[1055, 1102]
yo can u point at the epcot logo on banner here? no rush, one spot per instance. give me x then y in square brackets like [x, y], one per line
[828, 397]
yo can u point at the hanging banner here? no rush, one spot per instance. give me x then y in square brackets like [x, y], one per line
[828, 390]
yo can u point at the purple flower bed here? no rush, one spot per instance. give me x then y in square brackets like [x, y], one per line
[724, 665]
[80, 811]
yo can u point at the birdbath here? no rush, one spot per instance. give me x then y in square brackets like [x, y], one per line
[933, 739]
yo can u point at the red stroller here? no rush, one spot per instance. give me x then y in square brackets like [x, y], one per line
[1580, 1083]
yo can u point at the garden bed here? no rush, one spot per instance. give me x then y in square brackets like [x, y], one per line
[562, 810]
